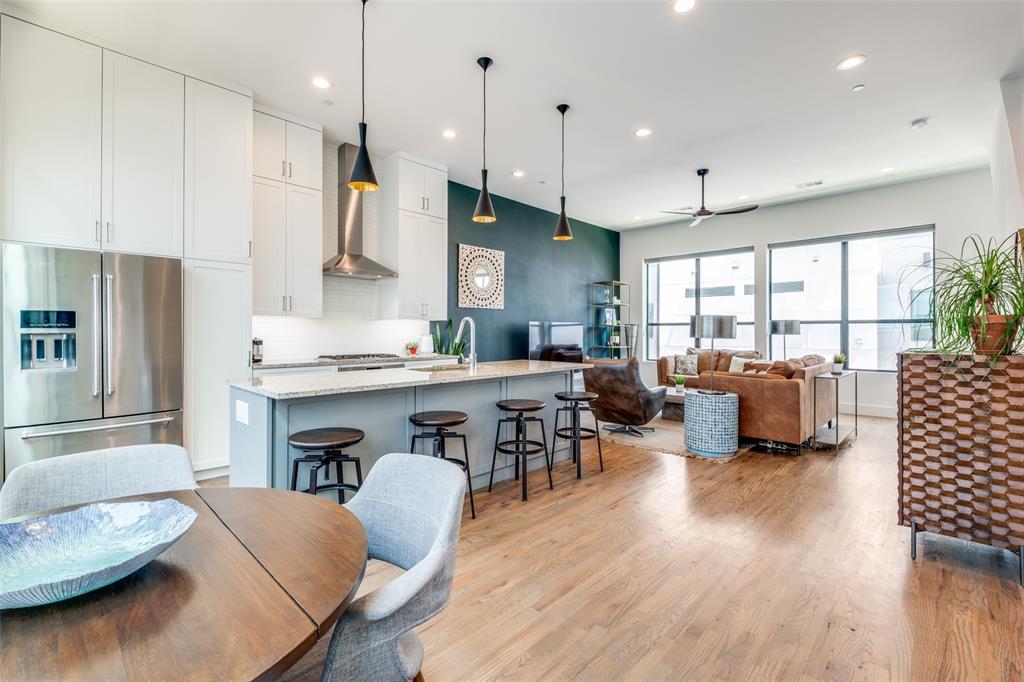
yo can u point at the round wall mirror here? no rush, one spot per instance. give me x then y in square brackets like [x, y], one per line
[482, 278]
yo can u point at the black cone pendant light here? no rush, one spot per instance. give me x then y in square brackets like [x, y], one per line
[562, 231]
[484, 212]
[363, 178]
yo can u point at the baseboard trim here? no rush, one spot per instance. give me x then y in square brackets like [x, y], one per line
[869, 410]
[209, 470]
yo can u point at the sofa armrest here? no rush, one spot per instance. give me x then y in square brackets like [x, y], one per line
[664, 370]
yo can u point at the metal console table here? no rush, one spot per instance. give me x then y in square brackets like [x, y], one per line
[835, 436]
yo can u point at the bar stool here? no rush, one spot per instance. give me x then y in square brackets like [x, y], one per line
[520, 447]
[325, 447]
[440, 421]
[574, 433]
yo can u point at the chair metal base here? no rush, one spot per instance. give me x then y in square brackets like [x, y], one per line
[438, 437]
[629, 430]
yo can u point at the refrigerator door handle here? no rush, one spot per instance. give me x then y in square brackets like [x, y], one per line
[108, 327]
[97, 342]
[88, 429]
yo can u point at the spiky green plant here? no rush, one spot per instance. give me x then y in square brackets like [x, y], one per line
[445, 345]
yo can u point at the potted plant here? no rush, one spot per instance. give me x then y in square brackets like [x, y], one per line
[411, 347]
[838, 362]
[680, 381]
[979, 298]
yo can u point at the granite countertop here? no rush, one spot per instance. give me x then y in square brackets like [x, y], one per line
[288, 386]
[316, 362]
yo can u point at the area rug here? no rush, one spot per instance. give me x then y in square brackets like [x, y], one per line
[668, 436]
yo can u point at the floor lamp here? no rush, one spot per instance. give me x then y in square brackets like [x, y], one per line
[713, 327]
[786, 328]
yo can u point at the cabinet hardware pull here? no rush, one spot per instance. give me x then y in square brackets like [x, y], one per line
[284, 303]
[290, 303]
[97, 230]
[108, 230]
[423, 203]
[87, 429]
[283, 166]
[250, 248]
[289, 169]
[428, 203]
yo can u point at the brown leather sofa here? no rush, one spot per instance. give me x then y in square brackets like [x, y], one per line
[774, 407]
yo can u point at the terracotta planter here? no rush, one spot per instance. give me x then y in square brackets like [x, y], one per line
[998, 335]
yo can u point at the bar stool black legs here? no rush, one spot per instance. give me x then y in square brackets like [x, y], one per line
[325, 447]
[575, 433]
[440, 421]
[521, 447]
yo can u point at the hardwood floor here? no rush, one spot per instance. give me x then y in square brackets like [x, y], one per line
[769, 567]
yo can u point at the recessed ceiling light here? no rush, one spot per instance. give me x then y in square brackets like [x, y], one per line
[744, 197]
[518, 173]
[858, 87]
[638, 217]
[919, 123]
[851, 62]
[643, 132]
[321, 82]
[888, 170]
[448, 134]
[684, 6]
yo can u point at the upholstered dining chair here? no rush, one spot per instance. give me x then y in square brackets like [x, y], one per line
[411, 508]
[623, 398]
[84, 477]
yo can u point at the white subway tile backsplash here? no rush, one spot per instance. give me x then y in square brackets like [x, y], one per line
[349, 323]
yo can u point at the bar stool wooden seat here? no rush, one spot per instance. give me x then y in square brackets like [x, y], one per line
[325, 447]
[577, 403]
[441, 421]
[521, 447]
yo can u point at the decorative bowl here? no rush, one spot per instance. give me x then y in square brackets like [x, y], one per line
[57, 557]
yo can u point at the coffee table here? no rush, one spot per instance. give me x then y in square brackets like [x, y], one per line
[673, 410]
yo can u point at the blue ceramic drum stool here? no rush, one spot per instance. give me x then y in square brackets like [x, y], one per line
[712, 423]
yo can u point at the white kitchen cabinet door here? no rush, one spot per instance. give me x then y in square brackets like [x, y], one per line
[269, 155]
[410, 186]
[218, 335]
[305, 156]
[143, 157]
[50, 136]
[218, 173]
[435, 191]
[433, 246]
[269, 245]
[410, 291]
[305, 252]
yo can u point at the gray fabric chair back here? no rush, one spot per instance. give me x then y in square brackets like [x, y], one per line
[411, 508]
[623, 398]
[67, 480]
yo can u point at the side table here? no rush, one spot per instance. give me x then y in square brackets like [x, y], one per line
[836, 435]
[712, 423]
[673, 409]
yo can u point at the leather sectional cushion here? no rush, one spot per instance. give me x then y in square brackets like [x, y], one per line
[726, 358]
[756, 367]
[811, 360]
[783, 368]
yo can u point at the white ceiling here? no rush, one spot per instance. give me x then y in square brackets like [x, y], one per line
[748, 89]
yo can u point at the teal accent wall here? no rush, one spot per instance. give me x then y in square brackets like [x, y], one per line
[544, 279]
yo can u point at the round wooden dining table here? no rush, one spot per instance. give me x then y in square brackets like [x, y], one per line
[260, 576]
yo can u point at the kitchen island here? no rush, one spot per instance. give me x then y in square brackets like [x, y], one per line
[265, 410]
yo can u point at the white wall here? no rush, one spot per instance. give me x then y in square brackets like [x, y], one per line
[349, 323]
[1006, 153]
[958, 205]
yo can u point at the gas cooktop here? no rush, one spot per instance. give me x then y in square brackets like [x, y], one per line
[358, 356]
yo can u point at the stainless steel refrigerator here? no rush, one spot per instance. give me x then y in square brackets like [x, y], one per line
[92, 351]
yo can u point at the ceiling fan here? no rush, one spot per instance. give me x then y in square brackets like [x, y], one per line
[702, 214]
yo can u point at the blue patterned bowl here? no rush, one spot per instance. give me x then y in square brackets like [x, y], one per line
[57, 557]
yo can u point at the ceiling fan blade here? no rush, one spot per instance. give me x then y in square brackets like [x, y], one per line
[699, 220]
[741, 209]
[689, 213]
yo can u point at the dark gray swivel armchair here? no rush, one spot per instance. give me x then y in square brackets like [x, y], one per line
[623, 398]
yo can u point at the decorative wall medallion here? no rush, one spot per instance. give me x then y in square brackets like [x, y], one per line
[481, 277]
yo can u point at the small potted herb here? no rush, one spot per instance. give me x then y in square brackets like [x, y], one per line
[411, 347]
[838, 361]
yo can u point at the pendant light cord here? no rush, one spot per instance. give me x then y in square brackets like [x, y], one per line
[363, 64]
[485, 119]
[563, 153]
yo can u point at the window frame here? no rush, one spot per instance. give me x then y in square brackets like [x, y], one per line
[845, 321]
[696, 292]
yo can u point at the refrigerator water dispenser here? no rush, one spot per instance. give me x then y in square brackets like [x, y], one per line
[48, 340]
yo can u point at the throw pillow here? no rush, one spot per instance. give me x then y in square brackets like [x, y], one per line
[705, 359]
[783, 369]
[726, 358]
[686, 365]
[756, 367]
[737, 364]
[812, 360]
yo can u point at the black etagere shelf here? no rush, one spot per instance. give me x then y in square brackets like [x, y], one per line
[612, 334]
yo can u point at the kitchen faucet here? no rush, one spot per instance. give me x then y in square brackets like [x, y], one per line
[472, 340]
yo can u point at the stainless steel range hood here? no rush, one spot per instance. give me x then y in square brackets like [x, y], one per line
[350, 261]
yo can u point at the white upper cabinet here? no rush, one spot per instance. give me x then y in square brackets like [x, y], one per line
[305, 251]
[218, 173]
[434, 279]
[422, 188]
[269, 158]
[305, 156]
[287, 151]
[269, 243]
[50, 136]
[143, 157]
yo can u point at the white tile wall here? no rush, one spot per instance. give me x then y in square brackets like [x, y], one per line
[349, 323]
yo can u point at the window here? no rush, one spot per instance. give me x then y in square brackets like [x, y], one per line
[720, 283]
[868, 295]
